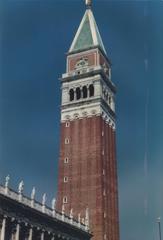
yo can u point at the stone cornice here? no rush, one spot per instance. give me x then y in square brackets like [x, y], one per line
[90, 72]
[93, 110]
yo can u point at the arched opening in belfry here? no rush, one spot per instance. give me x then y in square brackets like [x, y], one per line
[78, 93]
[91, 90]
[71, 94]
[85, 92]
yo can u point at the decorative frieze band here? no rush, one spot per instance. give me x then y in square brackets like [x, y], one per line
[88, 112]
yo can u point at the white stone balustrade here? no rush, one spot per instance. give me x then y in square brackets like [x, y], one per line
[39, 207]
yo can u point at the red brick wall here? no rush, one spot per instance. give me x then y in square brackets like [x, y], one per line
[72, 60]
[103, 60]
[87, 181]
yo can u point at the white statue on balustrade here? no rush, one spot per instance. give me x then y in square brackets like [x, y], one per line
[7, 181]
[44, 198]
[33, 193]
[21, 187]
[53, 204]
[71, 213]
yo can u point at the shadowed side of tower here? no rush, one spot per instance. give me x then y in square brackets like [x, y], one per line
[87, 164]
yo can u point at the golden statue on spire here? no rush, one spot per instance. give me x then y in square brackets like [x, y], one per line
[88, 3]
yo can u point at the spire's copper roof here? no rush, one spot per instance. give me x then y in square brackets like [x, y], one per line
[87, 35]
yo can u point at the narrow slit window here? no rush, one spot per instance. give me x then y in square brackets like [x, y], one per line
[65, 200]
[67, 124]
[66, 160]
[67, 141]
[65, 179]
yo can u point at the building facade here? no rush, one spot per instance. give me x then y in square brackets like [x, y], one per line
[87, 164]
[23, 218]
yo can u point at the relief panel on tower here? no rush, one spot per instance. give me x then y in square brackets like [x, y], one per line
[105, 64]
[82, 60]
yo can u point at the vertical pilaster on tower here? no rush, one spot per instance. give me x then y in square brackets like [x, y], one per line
[87, 165]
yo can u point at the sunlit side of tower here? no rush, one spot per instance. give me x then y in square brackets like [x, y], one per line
[87, 164]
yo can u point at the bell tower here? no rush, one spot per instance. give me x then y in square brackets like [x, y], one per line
[87, 164]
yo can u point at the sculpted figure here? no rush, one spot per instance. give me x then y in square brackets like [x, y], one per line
[21, 187]
[87, 217]
[33, 193]
[44, 198]
[79, 217]
[63, 209]
[53, 203]
[7, 181]
[71, 213]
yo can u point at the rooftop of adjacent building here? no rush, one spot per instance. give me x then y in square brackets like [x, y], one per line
[18, 198]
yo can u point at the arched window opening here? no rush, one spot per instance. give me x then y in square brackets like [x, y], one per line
[67, 124]
[67, 141]
[66, 160]
[78, 93]
[91, 90]
[110, 100]
[65, 200]
[71, 94]
[65, 179]
[85, 93]
[106, 96]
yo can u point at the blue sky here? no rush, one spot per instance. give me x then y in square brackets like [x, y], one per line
[34, 38]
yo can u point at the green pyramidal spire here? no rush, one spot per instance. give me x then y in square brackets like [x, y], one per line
[88, 35]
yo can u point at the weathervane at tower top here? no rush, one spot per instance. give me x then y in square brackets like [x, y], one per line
[88, 3]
